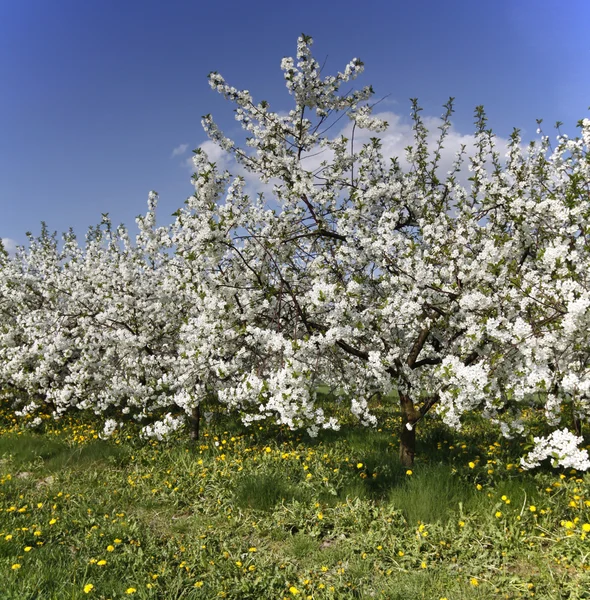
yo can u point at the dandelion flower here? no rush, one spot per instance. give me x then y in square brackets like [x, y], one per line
[88, 588]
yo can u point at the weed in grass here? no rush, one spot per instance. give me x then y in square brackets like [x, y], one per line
[302, 546]
[263, 491]
[431, 494]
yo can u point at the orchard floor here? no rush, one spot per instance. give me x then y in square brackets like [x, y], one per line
[269, 514]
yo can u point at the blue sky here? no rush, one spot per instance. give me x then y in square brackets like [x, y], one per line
[97, 95]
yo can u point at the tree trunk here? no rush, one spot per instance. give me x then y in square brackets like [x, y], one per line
[577, 423]
[195, 422]
[407, 438]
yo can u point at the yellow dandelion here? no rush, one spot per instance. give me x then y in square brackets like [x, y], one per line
[88, 588]
[15, 567]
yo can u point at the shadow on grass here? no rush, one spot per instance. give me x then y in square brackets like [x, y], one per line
[30, 449]
[263, 491]
[440, 488]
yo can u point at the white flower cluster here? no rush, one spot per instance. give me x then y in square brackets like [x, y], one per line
[355, 275]
[562, 447]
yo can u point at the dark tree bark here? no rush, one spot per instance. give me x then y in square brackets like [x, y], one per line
[407, 438]
[195, 422]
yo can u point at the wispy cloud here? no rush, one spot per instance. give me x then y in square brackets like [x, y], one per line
[9, 245]
[226, 161]
[394, 140]
[179, 150]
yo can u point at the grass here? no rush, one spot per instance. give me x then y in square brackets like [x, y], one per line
[269, 514]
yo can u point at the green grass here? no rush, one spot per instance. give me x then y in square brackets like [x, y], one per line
[269, 514]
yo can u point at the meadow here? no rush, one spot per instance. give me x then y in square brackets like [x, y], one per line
[265, 513]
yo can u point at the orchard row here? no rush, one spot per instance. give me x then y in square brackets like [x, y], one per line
[368, 274]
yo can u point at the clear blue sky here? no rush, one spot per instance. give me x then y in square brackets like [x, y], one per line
[96, 94]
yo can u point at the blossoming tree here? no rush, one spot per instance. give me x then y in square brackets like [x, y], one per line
[370, 279]
[349, 271]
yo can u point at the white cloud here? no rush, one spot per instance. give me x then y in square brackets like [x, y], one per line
[398, 136]
[179, 150]
[9, 245]
[225, 161]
